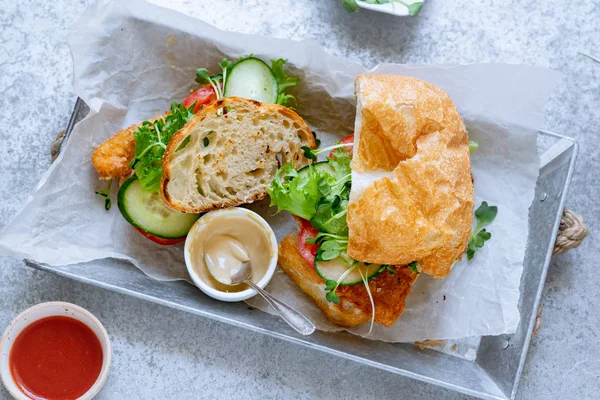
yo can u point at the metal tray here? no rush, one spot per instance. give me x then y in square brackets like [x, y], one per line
[493, 375]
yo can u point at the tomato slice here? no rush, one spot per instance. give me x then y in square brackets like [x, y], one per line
[307, 250]
[202, 96]
[347, 140]
[158, 239]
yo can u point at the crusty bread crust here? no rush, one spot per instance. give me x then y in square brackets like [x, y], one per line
[412, 193]
[262, 133]
[389, 291]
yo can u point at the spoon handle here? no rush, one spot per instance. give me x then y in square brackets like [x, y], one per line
[295, 319]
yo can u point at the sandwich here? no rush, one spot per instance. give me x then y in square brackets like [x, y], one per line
[392, 201]
[221, 147]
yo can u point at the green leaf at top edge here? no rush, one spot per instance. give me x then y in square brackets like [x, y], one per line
[350, 5]
[414, 8]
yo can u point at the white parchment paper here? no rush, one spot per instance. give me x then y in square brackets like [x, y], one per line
[132, 60]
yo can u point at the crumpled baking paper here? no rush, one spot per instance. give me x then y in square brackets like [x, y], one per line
[131, 60]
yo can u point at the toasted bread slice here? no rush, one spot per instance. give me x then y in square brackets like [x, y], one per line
[389, 291]
[229, 152]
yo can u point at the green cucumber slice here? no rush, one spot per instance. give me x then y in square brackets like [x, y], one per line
[252, 78]
[147, 211]
[334, 269]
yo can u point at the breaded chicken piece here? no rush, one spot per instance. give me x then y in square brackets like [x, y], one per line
[111, 159]
[389, 291]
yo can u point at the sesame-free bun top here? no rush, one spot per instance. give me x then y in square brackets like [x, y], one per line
[412, 191]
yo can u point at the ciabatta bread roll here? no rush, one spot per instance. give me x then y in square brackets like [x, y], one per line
[412, 192]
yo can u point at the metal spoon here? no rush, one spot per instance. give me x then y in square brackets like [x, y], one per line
[294, 318]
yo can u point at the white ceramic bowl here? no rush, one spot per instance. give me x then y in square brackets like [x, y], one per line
[200, 225]
[43, 310]
[392, 8]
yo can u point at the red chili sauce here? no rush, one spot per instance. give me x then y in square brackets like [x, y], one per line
[56, 358]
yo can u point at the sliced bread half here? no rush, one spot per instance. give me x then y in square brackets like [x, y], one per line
[228, 154]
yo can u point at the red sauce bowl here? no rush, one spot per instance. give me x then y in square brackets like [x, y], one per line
[67, 344]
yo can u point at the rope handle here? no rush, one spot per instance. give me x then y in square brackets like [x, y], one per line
[571, 231]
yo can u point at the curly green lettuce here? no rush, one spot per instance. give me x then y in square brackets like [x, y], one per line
[284, 82]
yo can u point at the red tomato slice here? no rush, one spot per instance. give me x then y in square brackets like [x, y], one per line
[348, 139]
[202, 96]
[307, 250]
[158, 239]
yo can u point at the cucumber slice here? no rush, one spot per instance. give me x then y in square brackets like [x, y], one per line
[334, 269]
[252, 78]
[147, 211]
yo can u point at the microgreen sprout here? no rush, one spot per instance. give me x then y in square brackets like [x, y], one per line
[366, 283]
[473, 146]
[414, 266]
[317, 140]
[217, 81]
[485, 214]
[331, 286]
[106, 194]
[312, 154]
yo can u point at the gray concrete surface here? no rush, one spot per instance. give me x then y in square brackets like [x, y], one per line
[160, 353]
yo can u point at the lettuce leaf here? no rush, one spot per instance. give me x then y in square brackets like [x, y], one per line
[317, 194]
[296, 193]
[284, 82]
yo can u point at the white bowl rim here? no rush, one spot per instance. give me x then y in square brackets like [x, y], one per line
[6, 375]
[396, 9]
[244, 294]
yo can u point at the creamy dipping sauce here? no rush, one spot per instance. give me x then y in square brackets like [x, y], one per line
[224, 255]
[227, 241]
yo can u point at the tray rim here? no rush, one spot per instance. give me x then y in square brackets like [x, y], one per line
[543, 275]
[81, 106]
